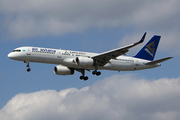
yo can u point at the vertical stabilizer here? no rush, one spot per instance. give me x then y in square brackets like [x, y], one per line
[149, 50]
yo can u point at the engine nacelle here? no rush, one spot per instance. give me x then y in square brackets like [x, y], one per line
[62, 70]
[84, 61]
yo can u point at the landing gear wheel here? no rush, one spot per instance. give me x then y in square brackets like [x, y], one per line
[96, 73]
[81, 77]
[29, 69]
[85, 78]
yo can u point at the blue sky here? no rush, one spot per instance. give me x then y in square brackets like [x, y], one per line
[96, 27]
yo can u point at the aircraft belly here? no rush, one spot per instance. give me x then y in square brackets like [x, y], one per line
[119, 65]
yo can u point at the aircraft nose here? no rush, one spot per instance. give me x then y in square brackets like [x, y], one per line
[11, 55]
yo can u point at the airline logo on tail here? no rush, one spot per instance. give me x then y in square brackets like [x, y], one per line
[150, 49]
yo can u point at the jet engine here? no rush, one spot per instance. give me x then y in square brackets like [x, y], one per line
[62, 70]
[84, 61]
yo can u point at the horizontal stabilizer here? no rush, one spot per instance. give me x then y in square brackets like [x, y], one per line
[158, 61]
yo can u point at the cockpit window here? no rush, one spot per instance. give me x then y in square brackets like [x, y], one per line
[16, 50]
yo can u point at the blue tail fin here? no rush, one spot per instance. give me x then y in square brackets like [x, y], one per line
[149, 50]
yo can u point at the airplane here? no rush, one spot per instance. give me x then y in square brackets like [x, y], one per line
[69, 61]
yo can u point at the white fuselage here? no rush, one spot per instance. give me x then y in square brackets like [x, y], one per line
[67, 57]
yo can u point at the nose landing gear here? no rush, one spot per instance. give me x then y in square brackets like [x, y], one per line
[29, 69]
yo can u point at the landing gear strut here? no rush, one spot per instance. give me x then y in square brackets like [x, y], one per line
[29, 69]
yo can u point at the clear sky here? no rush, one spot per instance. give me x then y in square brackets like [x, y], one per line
[92, 26]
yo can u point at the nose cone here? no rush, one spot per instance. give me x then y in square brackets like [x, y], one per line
[11, 55]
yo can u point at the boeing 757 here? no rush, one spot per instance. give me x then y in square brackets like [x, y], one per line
[69, 61]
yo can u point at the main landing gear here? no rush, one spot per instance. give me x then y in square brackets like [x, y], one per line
[96, 73]
[83, 77]
[29, 69]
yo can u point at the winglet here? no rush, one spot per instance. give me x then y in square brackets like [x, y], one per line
[142, 39]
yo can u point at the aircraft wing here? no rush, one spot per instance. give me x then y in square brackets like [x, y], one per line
[104, 58]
